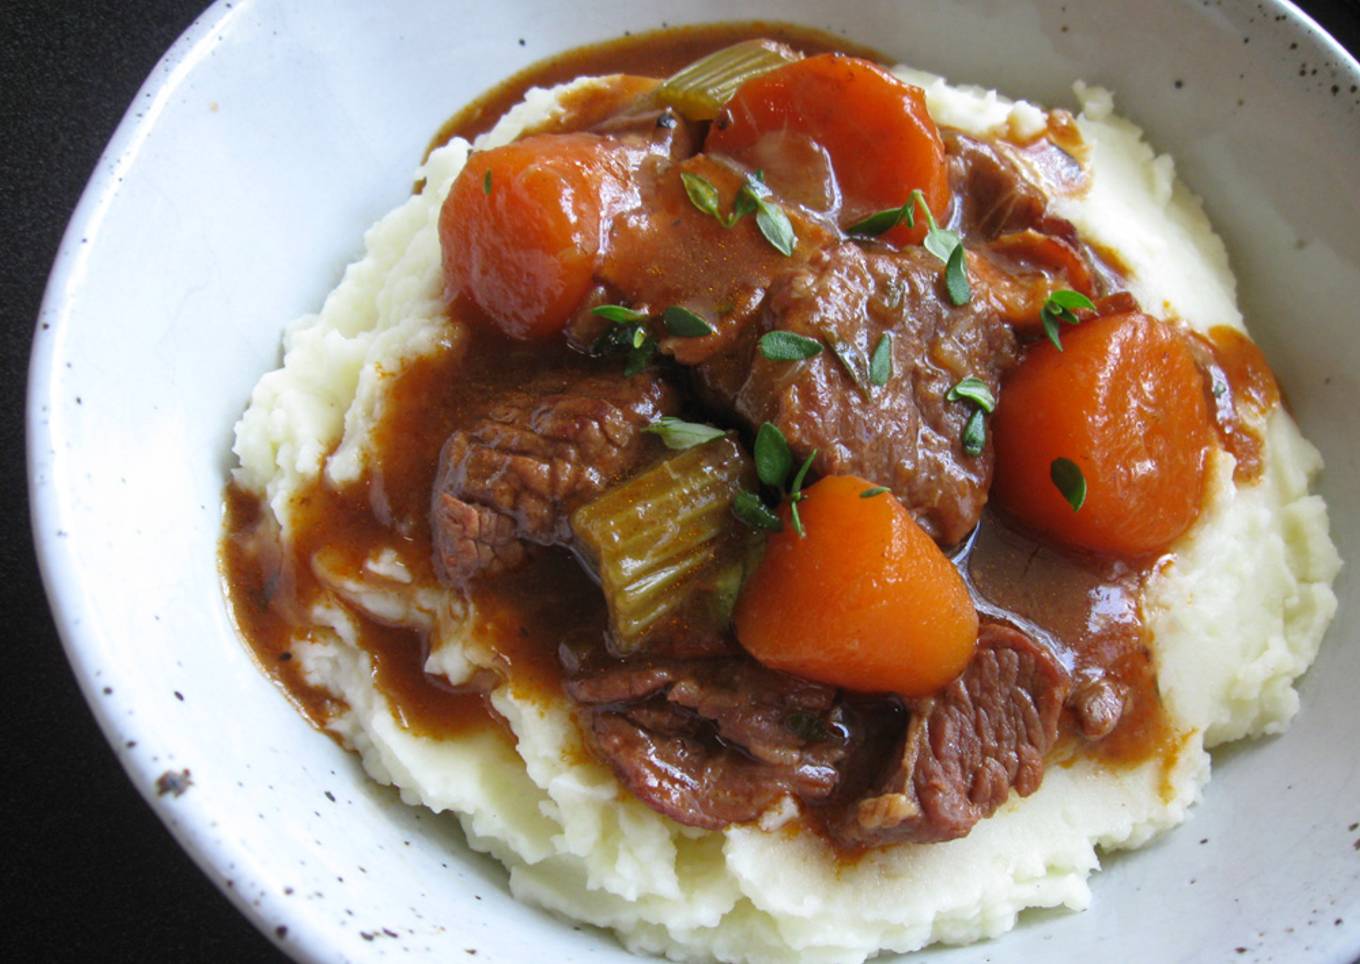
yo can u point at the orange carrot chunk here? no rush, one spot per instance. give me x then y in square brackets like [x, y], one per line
[881, 140]
[865, 600]
[520, 230]
[1126, 403]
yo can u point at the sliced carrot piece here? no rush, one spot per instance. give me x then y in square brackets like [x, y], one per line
[520, 229]
[875, 128]
[1126, 402]
[865, 600]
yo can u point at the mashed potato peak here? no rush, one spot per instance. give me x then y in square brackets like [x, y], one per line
[575, 843]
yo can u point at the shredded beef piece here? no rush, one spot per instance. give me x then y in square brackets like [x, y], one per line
[712, 742]
[906, 434]
[966, 748]
[537, 453]
[1001, 188]
[995, 195]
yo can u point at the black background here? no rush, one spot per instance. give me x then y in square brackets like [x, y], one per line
[87, 870]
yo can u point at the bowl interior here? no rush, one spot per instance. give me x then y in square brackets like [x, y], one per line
[229, 202]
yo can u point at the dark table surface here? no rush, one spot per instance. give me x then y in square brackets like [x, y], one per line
[90, 872]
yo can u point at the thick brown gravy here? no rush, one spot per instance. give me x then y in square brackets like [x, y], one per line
[1241, 382]
[1087, 608]
[654, 53]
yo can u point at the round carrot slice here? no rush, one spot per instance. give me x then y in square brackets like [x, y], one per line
[875, 128]
[865, 600]
[520, 229]
[1124, 401]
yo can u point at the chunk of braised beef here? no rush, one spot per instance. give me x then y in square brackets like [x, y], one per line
[666, 252]
[904, 434]
[536, 453]
[712, 742]
[1000, 188]
[966, 748]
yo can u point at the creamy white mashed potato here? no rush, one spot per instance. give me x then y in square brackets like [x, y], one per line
[1236, 617]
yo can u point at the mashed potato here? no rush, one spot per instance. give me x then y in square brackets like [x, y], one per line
[575, 843]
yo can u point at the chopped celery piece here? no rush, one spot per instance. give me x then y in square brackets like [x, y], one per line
[669, 555]
[700, 90]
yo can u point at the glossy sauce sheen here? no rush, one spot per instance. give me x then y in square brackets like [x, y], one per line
[1240, 382]
[1087, 609]
[522, 615]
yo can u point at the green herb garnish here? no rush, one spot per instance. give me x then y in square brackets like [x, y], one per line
[851, 362]
[796, 494]
[782, 345]
[685, 323]
[881, 362]
[774, 460]
[1062, 306]
[702, 194]
[640, 352]
[770, 217]
[975, 390]
[975, 433]
[618, 313]
[944, 244]
[753, 198]
[748, 507]
[885, 221]
[486, 182]
[956, 277]
[678, 434]
[1066, 475]
[876, 490]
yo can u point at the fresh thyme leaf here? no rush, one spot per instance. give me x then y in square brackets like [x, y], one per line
[782, 345]
[1062, 306]
[940, 242]
[1050, 328]
[775, 225]
[748, 507]
[975, 433]
[678, 434]
[850, 361]
[884, 221]
[745, 204]
[956, 277]
[486, 182]
[797, 520]
[881, 362]
[685, 323]
[1066, 475]
[618, 313]
[876, 490]
[640, 355]
[774, 461]
[975, 390]
[1071, 300]
[702, 194]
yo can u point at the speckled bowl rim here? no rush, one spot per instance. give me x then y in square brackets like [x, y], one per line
[308, 937]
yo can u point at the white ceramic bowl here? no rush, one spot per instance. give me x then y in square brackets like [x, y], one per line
[238, 187]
